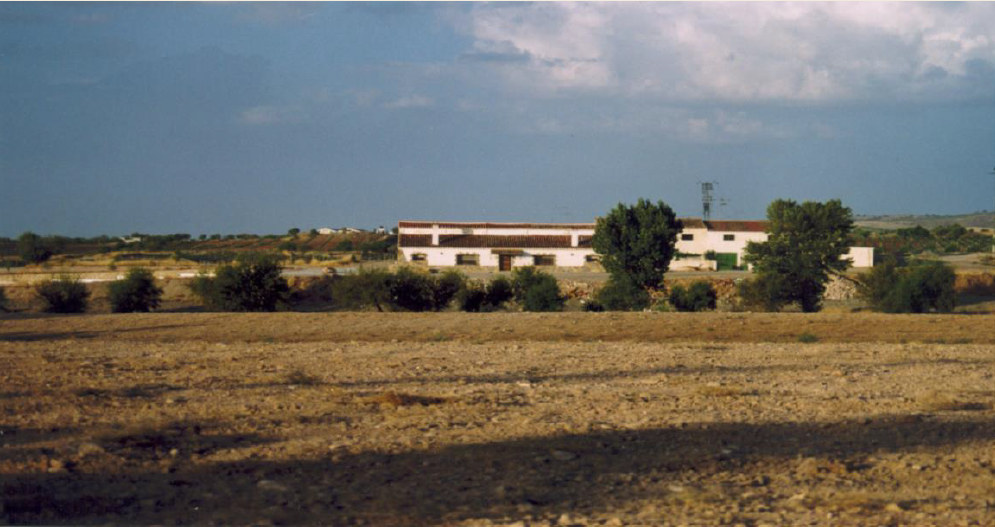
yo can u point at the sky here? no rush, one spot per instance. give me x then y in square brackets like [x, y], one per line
[207, 118]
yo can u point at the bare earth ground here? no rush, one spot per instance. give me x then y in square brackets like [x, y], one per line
[450, 418]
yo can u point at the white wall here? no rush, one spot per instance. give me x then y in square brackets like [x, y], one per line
[696, 246]
[446, 256]
[716, 242]
[861, 256]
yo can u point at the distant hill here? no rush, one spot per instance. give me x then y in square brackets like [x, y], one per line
[983, 219]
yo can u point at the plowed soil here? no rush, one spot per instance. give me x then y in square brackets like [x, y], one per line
[539, 419]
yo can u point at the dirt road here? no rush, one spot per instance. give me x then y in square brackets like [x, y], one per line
[574, 418]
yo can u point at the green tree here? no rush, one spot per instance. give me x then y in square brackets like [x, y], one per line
[32, 248]
[136, 293]
[620, 294]
[636, 243]
[805, 244]
[918, 289]
[699, 296]
[253, 284]
[294, 232]
[536, 290]
[65, 295]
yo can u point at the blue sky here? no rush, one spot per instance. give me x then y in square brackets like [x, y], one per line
[257, 117]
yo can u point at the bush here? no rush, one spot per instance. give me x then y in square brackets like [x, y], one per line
[918, 289]
[3, 301]
[344, 245]
[499, 291]
[445, 288]
[536, 290]
[65, 295]
[411, 290]
[33, 249]
[699, 296]
[250, 285]
[368, 288]
[619, 294]
[762, 293]
[474, 298]
[136, 293]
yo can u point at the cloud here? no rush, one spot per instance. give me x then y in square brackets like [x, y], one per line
[410, 101]
[263, 115]
[736, 52]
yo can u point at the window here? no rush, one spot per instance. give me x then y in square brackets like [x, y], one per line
[728, 237]
[687, 237]
[467, 259]
[419, 257]
[545, 259]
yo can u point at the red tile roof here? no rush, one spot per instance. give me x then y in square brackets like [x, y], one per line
[490, 225]
[484, 241]
[736, 226]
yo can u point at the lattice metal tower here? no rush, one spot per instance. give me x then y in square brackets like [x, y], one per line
[708, 198]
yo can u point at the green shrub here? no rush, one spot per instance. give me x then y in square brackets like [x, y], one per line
[255, 285]
[474, 297]
[344, 245]
[620, 294]
[536, 290]
[761, 293]
[3, 301]
[368, 288]
[918, 289]
[445, 288]
[136, 293]
[699, 296]
[523, 279]
[499, 291]
[65, 295]
[411, 290]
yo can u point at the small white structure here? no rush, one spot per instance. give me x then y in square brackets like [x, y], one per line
[507, 245]
[326, 230]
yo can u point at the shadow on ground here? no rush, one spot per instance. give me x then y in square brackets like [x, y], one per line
[498, 480]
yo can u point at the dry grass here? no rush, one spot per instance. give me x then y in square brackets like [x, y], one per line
[395, 399]
[725, 391]
[946, 402]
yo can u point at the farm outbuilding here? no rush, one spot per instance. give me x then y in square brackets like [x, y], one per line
[503, 246]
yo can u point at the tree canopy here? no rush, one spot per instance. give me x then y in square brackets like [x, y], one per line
[805, 244]
[636, 242]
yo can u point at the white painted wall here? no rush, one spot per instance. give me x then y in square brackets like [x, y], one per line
[704, 241]
[861, 256]
[698, 245]
[446, 256]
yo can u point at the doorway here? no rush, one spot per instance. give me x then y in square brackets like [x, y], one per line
[504, 262]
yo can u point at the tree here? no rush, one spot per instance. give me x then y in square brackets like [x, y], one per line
[918, 289]
[253, 284]
[699, 296]
[136, 293]
[636, 243]
[65, 295]
[294, 232]
[621, 295]
[536, 290]
[32, 248]
[805, 244]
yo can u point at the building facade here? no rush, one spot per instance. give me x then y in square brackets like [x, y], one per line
[503, 246]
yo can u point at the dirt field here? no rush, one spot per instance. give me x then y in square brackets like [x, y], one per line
[449, 418]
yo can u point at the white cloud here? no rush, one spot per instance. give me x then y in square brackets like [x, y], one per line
[262, 115]
[737, 52]
[410, 101]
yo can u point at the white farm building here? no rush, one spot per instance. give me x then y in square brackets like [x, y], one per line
[505, 245]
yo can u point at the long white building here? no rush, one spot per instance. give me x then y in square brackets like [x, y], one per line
[506, 245]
